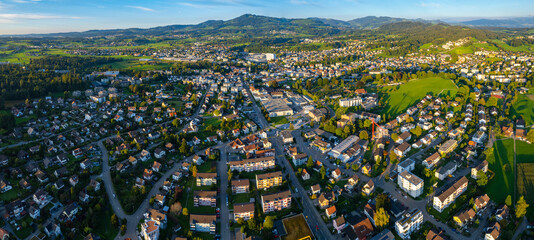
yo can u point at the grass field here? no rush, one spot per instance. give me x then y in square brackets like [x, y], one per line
[462, 50]
[279, 120]
[504, 46]
[296, 228]
[525, 185]
[502, 184]
[525, 174]
[524, 107]
[399, 98]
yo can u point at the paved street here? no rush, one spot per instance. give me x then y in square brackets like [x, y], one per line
[222, 170]
[313, 216]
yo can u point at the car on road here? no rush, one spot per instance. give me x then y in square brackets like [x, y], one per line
[218, 210]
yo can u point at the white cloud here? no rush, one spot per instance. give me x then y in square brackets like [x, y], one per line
[143, 8]
[26, 1]
[299, 2]
[14, 17]
[430, 4]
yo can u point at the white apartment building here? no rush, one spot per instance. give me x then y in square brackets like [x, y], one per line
[411, 184]
[350, 102]
[409, 223]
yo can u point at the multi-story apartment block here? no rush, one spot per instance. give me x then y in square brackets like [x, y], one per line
[448, 146]
[202, 223]
[410, 183]
[240, 186]
[268, 180]
[206, 179]
[275, 201]
[446, 197]
[205, 198]
[350, 102]
[409, 223]
[244, 211]
[253, 164]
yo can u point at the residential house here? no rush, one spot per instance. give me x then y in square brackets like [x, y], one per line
[368, 188]
[483, 166]
[493, 232]
[432, 160]
[331, 212]
[481, 202]
[339, 224]
[464, 217]
[150, 230]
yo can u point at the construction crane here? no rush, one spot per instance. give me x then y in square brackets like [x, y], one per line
[377, 126]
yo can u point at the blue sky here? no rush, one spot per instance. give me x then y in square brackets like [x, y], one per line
[43, 16]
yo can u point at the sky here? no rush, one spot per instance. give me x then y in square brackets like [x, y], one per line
[50, 16]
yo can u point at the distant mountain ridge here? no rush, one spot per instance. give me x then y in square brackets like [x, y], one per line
[519, 22]
[256, 25]
[247, 23]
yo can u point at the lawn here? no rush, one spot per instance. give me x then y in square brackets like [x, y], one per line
[399, 98]
[502, 184]
[241, 198]
[504, 46]
[462, 50]
[208, 167]
[9, 195]
[104, 228]
[279, 120]
[524, 107]
[296, 228]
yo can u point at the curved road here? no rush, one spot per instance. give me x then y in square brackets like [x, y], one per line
[133, 220]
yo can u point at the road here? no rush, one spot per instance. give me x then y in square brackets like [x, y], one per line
[133, 220]
[222, 169]
[313, 216]
[388, 187]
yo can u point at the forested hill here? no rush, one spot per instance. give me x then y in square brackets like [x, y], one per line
[248, 25]
[407, 37]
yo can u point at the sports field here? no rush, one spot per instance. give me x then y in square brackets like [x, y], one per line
[401, 97]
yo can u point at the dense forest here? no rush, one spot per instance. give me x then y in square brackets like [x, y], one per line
[18, 83]
[40, 77]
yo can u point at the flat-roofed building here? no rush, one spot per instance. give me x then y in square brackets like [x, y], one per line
[410, 183]
[448, 146]
[409, 223]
